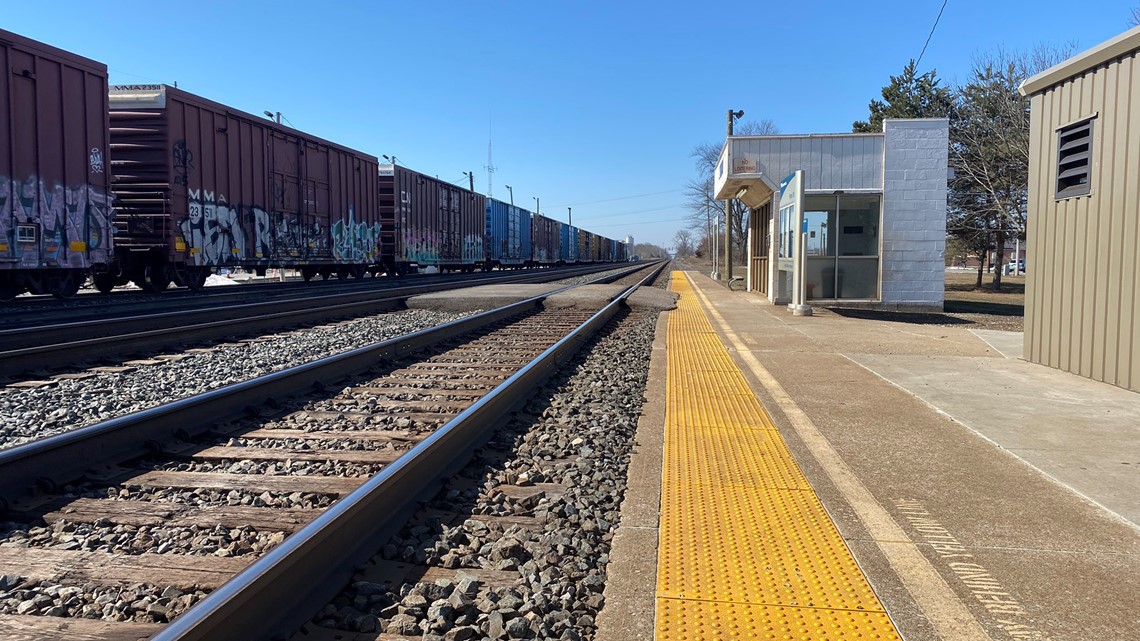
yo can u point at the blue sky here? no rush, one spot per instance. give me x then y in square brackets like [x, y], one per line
[591, 104]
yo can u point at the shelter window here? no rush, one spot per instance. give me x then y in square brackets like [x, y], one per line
[1074, 159]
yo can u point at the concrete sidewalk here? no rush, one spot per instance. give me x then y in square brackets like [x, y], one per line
[984, 496]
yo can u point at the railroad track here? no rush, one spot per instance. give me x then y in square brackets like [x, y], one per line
[44, 347]
[289, 495]
[47, 310]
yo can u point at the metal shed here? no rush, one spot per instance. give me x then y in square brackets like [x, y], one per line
[1082, 311]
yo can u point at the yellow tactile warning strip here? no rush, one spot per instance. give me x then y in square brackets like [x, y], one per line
[746, 549]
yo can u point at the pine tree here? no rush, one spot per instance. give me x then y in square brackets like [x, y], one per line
[907, 96]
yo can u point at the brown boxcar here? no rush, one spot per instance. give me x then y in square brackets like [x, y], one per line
[199, 186]
[547, 239]
[596, 248]
[432, 222]
[583, 246]
[55, 205]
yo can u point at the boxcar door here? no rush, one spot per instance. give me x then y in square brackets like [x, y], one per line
[289, 234]
[315, 208]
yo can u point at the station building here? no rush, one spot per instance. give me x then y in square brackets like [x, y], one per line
[1082, 290]
[871, 208]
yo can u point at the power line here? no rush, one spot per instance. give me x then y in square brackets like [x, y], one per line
[648, 222]
[919, 61]
[610, 200]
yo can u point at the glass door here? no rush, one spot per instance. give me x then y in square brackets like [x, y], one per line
[842, 246]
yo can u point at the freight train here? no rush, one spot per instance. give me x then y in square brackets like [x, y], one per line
[154, 185]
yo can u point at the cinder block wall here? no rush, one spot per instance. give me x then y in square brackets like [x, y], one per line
[914, 212]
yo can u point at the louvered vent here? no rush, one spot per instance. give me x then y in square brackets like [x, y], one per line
[1074, 159]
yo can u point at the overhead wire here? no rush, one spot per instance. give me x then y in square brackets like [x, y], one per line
[931, 35]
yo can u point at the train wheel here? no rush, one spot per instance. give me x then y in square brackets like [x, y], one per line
[68, 285]
[103, 282]
[9, 290]
[196, 278]
[156, 278]
[326, 274]
[342, 273]
[307, 273]
[358, 271]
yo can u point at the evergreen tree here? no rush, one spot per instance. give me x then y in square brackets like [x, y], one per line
[908, 95]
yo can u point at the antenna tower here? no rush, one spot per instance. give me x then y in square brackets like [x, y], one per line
[490, 167]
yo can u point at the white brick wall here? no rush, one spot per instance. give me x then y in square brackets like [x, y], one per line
[914, 212]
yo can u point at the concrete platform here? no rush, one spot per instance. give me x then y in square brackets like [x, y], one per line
[984, 497]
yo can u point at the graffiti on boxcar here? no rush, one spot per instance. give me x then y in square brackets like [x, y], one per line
[193, 233]
[355, 242]
[262, 233]
[96, 160]
[225, 238]
[69, 222]
[183, 163]
[287, 236]
[212, 230]
[472, 248]
[85, 203]
[421, 247]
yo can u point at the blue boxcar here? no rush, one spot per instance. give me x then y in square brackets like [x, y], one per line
[569, 243]
[508, 234]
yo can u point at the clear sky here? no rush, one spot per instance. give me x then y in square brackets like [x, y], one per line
[592, 104]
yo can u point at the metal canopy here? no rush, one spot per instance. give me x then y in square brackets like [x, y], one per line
[742, 178]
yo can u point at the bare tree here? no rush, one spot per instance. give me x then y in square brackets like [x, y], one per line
[989, 151]
[683, 244]
[1134, 20]
[648, 250]
[704, 209]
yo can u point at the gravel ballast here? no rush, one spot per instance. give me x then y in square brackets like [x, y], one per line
[27, 414]
[578, 441]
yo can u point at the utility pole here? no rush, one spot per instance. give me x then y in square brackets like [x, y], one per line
[708, 223]
[728, 241]
[732, 116]
[569, 217]
[470, 180]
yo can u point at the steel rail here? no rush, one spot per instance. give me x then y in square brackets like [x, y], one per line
[315, 562]
[117, 320]
[63, 458]
[154, 331]
[102, 308]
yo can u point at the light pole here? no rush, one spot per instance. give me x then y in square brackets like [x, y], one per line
[732, 116]
[512, 192]
[392, 159]
[275, 117]
[569, 217]
[708, 225]
[470, 180]
[537, 206]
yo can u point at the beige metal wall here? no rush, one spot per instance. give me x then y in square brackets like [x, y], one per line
[1082, 308]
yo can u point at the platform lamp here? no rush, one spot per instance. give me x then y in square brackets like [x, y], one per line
[274, 116]
[391, 159]
[733, 116]
[512, 192]
[537, 206]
